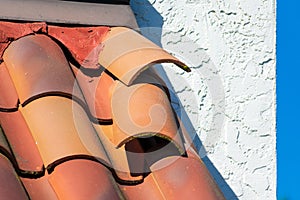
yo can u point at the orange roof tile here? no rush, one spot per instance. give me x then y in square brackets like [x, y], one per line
[22, 144]
[142, 153]
[39, 188]
[96, 87]
[36, 76]
[175, 174]
[84, 179]
[128, 170]
[148, 190]
[9, 99]
[143, 110]
[62, 131]
[126, 53]
[10, 185]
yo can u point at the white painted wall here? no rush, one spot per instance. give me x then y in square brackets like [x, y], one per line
[230, 94]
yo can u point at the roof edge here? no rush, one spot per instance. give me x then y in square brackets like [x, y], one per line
[67, 12]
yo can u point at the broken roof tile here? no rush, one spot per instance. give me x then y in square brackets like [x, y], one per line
[84, 43]
[38, 67]
[62, 131]
[21, 142]
[10, 185]
[143, 110]
[11, 31]
[84, 179]
[126, 53]
[9, 96]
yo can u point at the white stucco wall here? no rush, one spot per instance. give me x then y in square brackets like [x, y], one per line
[230, 94]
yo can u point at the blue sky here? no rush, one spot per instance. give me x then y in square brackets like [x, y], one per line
[288, 89]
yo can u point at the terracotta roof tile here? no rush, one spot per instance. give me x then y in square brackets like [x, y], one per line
[143, 110]
[128, 169]
[22, 144]
[10, 185]
[185, 177]
[84, 179]
[62, 130]
[9, 97]
[39, 188]
[148, 190]
[35, 64]
[5, 149]
[96, 86]
[142, 153]
[126, 53]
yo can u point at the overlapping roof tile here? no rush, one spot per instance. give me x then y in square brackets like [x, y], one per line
[84, 179]
[22, 143]
[39, 188]
[11, 187]
[99, 127]
[9, 100]
[36, 76]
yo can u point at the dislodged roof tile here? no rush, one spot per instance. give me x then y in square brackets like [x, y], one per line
[9, 97]
[141, 152]
[35, 76]
[143, 110]
[84, 179]
[10, 185]
[22, 144]
[126, 53]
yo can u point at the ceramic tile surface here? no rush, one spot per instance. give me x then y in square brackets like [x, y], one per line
[84, 117]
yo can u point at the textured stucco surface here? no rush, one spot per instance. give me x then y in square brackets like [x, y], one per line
[229, 97]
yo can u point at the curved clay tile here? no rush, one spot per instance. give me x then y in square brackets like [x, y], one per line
[126, 53]
[10, 185]
[62, 131]
[151, 76]
[22, 143]
[39, 188]
[123, 163]
[84, 179]
[142, 111]
[38, 67]
[97, 91]
[185, 178]
[5, 149]
[9, 97]
[148, 190]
